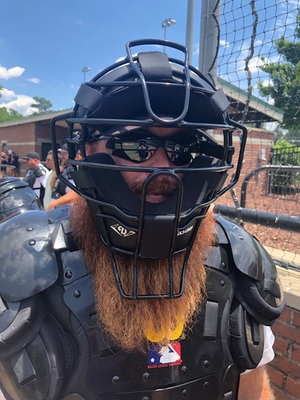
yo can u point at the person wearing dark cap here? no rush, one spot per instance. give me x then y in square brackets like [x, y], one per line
[36, 174]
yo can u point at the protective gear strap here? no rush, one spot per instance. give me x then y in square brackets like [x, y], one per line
[150, 247]
[87, 97]
[246, 338]
[155, 66]
[220, 101]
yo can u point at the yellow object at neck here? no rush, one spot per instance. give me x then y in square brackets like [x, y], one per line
[170, 334]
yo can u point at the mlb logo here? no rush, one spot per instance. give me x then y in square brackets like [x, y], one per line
[166, 356]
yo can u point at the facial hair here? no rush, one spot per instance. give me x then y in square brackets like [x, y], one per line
[160, 184]
[132, 323]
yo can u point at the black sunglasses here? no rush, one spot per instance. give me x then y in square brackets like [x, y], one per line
[139, 146]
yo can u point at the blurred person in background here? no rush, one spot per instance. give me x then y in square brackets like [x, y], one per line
[3, 162]
[61, 193]
[36, 174]
[51, 178]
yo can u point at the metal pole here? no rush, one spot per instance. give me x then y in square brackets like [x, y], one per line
[84, 70]
[209, 38]
[165, 24]
[190, 29]
[258, 217]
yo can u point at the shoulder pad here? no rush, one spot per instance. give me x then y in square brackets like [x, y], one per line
[16, 197]
[245, 254]
[62, 234]
[39, 171]
[58, 214]
[263, 299]
[258, 287]
[27, 260]
[10, 183]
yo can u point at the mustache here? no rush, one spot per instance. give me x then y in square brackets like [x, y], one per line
[158, 185]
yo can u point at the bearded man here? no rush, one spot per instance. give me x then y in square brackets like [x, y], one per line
[138, 291]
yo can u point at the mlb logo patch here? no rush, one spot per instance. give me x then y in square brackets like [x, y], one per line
[166, 356]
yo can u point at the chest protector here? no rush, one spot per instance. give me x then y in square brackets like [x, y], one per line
[52, 346]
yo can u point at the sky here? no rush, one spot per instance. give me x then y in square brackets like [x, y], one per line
[45, 44]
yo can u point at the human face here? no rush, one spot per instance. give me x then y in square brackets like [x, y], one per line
[162, 186]
[49, 162]
[64, 155]
[32, 162]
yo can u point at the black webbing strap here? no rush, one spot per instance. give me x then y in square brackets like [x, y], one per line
[155, 66]
[87, 97]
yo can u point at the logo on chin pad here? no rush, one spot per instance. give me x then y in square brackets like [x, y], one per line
[122, 231]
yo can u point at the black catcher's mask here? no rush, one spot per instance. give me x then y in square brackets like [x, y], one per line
[120, 104]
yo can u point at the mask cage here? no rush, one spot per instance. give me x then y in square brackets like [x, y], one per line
[87, 117]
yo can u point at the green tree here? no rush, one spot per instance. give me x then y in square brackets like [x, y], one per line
[10, 115]
[42, 105]
[285, 76]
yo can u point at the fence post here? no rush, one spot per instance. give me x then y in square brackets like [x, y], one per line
[190, 29]
[209, 39]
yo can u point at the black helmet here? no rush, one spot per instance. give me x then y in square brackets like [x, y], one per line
[146, 90]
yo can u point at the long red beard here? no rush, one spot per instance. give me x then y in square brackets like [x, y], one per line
[132, 323]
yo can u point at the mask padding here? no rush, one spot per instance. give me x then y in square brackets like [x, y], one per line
[114, 190]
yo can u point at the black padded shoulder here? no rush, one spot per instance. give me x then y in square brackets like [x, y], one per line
[258, 288]
[16, 197]
[245, 250]
[27, 260]
[39, 171]
[258, 297]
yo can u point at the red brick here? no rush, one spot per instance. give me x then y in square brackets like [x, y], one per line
[282, 395]
[281, 346]
[286, 366]
[287, 331]
[275, 376]
[297, 318]
[295, 355]
[286, 315]
[292, 386]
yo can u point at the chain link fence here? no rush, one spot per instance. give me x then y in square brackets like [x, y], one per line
[258, 66]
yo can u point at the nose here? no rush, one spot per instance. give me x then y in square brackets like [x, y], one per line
[160, 159]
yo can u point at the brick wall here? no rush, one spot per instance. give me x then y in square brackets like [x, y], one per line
[30, 136]
[259, 142]
[284, 370]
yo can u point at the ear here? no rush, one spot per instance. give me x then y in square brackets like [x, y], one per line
[88, 151]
